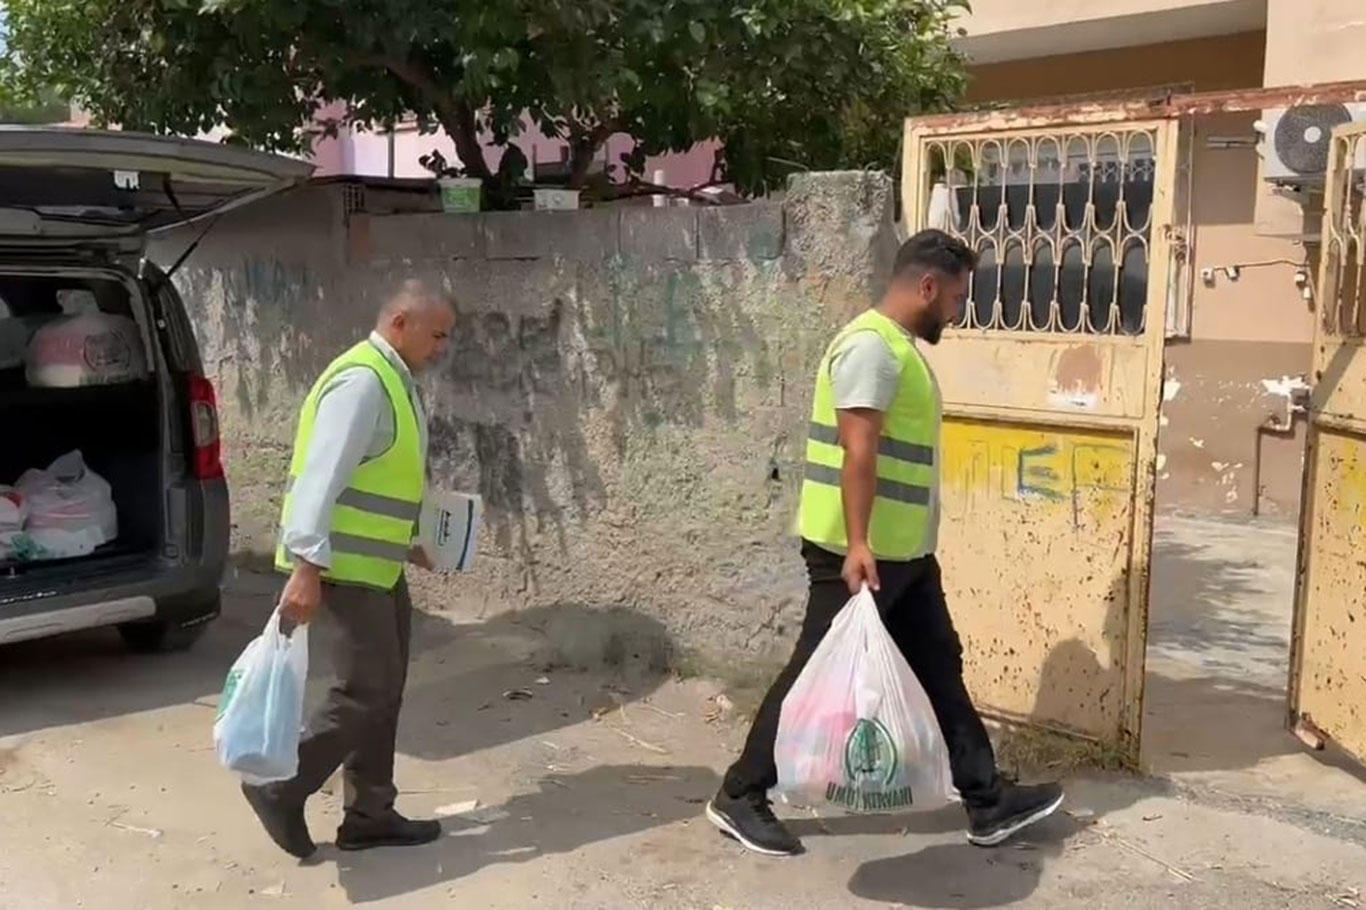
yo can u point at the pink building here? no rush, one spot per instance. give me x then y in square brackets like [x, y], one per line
[384, 154]
[359, 153]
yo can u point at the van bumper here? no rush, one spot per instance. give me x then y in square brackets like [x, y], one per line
[180, 596]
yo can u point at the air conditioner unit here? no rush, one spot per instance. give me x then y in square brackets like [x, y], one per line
[1296, 140]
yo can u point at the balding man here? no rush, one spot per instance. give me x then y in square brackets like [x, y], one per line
[348, 527]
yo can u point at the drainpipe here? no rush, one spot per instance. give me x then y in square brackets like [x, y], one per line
[1280, 426]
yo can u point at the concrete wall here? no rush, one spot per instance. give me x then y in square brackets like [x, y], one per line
[1245, 332]
[628, 388]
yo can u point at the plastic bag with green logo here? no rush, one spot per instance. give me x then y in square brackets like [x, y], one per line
[857, 730]
[260, 713]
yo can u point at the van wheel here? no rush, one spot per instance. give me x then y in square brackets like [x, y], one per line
[159, 637]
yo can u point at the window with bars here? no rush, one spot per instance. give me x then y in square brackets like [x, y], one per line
[353, 198]
[1062, 223]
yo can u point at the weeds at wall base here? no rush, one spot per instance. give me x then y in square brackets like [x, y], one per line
[1033, 752]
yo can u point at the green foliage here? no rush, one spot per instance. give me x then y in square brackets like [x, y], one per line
[783, 83]
[47, 107]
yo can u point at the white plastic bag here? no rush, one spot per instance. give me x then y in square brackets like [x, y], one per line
[15, 334]
[13, 510]
[260, 714]
[70, 508]
[857, 730]
[89, 349]
[13, 513]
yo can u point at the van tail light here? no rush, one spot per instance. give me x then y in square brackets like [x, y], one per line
[208, 456]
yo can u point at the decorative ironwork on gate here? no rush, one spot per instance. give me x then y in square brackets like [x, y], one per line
[1344, 242]
[1051, 387]
[1062, 221]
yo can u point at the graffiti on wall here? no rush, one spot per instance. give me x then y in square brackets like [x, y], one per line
[1088, 473]
[482, 456]
[261, 282]
[506, 353]
[628, 333]
[643, 330]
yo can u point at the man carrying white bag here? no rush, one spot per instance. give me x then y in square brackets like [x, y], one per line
[870, 516]
[348, 527]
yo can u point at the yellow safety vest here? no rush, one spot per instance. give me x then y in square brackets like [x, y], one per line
[899, 526]
[376, 514]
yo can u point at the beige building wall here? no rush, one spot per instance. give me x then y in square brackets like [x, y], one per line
[993, 16]
[997, 30]
[1310, 41]
[1205, 64]
[1246, 331]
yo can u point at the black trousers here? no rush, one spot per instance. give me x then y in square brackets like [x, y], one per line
[917, 618]
[356, 726]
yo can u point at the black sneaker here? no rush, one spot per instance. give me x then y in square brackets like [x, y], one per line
[284, 823]
[1018, 808]
[390, 830]
[751, 821]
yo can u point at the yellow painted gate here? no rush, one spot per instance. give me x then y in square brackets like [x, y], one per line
[1052, 383]
[1328, 661]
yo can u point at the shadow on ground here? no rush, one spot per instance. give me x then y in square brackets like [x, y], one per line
[89, 676]
[961, 876]
[566, 813]
[1218, 647]
[1219, 642]
[455, 702]
[1216, 604]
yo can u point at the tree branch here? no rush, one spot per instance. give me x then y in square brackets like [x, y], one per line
[696, 193]
[455, 113]
[582, 149]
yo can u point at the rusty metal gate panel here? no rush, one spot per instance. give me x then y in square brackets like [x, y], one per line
[1327, 685]
[1051, 383]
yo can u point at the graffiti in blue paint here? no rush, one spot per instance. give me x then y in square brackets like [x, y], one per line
[1037, 475]
[1033, 466]
[1044, 472]
[645, 327]
[267, 279]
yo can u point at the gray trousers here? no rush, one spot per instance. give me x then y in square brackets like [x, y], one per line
[356, 726]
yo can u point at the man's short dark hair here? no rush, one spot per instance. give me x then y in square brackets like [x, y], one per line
[933, 249]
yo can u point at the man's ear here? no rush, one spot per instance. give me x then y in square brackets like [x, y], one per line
[927, 285]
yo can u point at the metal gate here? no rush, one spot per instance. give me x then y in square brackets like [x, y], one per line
[1051, 383]
[1327, 683]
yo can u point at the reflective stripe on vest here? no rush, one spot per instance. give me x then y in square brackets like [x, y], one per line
[899, 525]
[376, 514]
[380, 504]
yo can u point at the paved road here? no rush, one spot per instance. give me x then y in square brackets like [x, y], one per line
[588, 797]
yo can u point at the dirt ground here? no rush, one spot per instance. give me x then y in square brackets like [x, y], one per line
[586, 795]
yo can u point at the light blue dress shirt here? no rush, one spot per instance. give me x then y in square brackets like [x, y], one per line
[355, 423]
